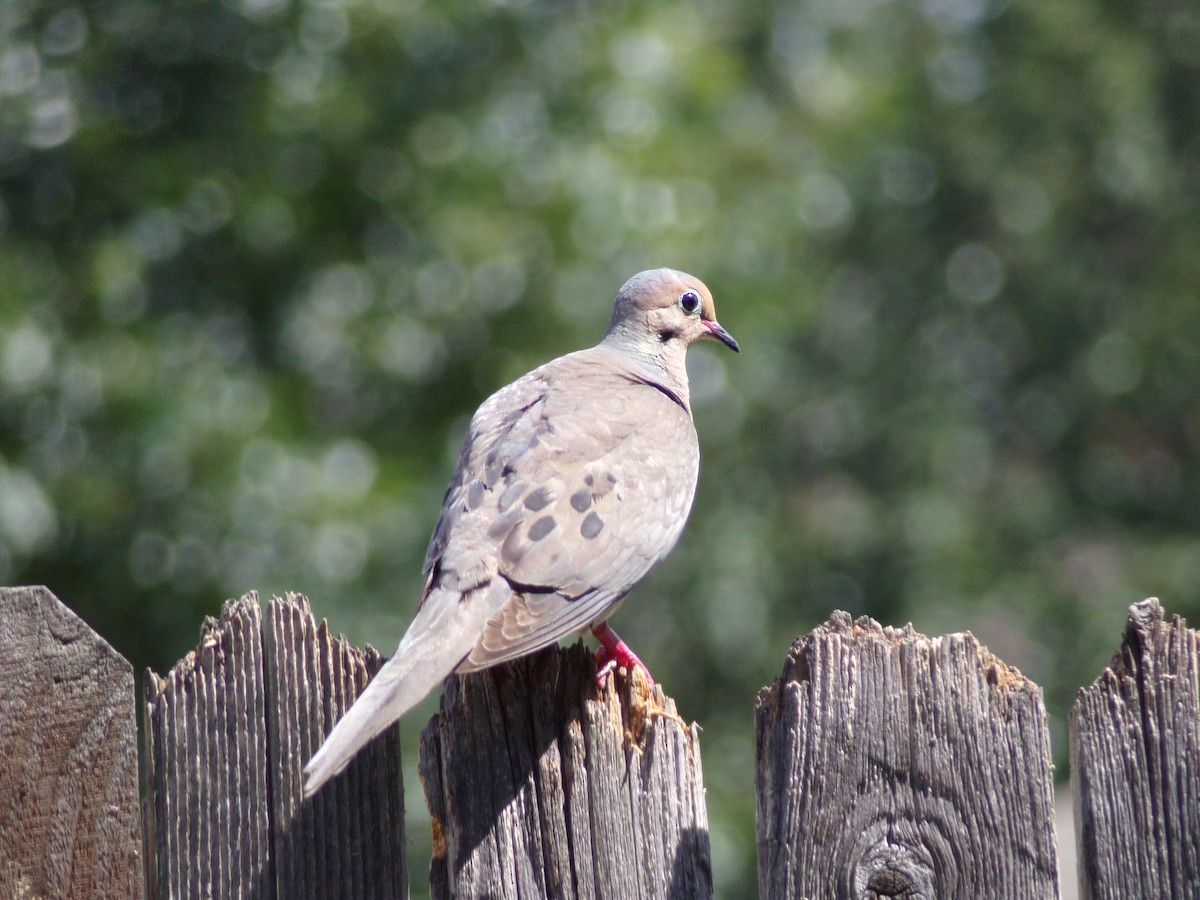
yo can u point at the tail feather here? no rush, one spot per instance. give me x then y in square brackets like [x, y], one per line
[443, 632]
[389, 696]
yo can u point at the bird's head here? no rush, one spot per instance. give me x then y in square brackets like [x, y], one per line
[666, 305]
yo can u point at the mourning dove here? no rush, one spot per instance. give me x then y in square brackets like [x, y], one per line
[572, 482]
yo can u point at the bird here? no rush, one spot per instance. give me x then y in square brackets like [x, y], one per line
[572, 482]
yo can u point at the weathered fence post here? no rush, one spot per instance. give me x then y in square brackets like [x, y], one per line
[68, 756]
[1135, 764]
[228, 731]
[541, 786]
[893, 765]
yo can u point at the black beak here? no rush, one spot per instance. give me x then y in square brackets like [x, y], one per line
[717, 331]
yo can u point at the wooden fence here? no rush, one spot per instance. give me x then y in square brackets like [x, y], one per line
[889, 765]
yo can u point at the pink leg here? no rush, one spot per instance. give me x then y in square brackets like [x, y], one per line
[614, 652]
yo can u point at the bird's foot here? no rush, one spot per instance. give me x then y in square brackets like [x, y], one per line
[614, 652]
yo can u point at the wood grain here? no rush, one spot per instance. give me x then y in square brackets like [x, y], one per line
[895, 765]
[69, 824]
[208, 821]
[228, 731]
[542, 786]
[348, 840]
[1135, 764]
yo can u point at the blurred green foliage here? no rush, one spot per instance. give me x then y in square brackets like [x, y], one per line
[259, 261]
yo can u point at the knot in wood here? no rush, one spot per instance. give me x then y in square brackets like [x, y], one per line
[886, 869]
[890, 883]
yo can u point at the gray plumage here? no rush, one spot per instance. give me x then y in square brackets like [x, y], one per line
[572, 482]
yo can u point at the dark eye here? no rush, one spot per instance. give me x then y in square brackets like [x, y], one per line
[689, 302]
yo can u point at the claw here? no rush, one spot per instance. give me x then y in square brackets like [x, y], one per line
[614, 652]
[604, 668]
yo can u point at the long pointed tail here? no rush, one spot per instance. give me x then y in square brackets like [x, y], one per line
[442, 633]
[389, 696]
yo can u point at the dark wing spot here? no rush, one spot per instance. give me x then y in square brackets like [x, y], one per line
[591, 526]
[541, 528]
[581, 500]
[510, 495]
[474, 494]
[587, 479]
[538, 499]
[612, 478]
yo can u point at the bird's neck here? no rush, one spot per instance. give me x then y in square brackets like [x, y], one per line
[660, 363]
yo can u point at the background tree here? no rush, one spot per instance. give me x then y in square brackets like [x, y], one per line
[260, 260]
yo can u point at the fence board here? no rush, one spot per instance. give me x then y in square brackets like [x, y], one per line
[208, 827]
[541, 786]
[348, 840]
[1135, 764]
[68, 756]
[228, 731]
[892, 764]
